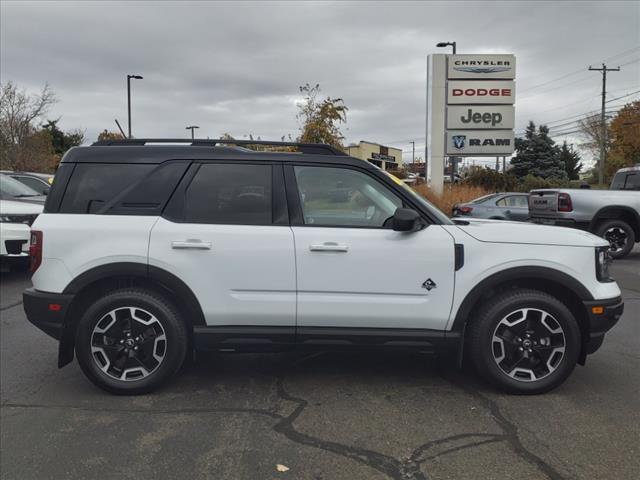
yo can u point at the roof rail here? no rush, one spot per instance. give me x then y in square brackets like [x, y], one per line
[307, 148]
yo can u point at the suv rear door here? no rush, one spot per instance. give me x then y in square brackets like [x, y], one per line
[354, 271]
[225, 233]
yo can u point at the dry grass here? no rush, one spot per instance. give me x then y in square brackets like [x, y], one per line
[451, 195]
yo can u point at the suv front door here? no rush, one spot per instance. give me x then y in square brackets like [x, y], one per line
[353, 270]
[225, 234]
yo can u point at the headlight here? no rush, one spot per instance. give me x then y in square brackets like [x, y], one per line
[603, 260]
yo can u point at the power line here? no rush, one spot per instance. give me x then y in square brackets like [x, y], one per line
[623, 96]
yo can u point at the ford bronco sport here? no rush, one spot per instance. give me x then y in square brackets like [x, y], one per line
[146, 251]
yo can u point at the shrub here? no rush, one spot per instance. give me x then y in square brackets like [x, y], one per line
[452, 194]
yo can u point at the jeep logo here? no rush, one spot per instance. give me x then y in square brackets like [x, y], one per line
[492, 118]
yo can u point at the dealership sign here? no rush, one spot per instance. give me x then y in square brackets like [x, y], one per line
[477, 142]
[480, 116]
[477, 67]
[487, 92]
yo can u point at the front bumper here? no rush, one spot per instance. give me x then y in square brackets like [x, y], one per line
[47, 311]
[14, 239]
[602, 315]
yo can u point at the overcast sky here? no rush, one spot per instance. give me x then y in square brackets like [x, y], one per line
[236, 67]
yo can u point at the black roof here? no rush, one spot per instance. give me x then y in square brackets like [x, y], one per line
[157, 151]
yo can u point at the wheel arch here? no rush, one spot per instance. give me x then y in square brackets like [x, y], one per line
[612, 212]
[90, 284]
[564, 287]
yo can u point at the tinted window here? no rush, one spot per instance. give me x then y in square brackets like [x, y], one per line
[230, 194]
[632, 181]
[519, 201]
[344, 198]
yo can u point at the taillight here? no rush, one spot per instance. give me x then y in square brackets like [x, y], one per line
[465, 210]
[564, 203]
[35, 249]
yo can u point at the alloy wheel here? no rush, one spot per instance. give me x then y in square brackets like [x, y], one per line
[128, 343]
[617, 238]
[528, 344]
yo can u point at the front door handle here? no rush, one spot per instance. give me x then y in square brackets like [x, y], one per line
[194, 244]
[328, 247]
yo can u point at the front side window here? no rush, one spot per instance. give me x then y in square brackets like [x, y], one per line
[341, 197]
[230, 194]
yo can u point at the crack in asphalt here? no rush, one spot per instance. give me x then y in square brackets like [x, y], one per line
[510, 430]
[11, 305]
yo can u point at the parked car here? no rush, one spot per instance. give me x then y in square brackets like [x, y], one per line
[611, 214]
[40, 182]
[496, 206]
[626, 179]
[145, 252]
[15, 219]
[12, 189]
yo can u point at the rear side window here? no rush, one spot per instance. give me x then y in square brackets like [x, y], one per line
[121, 189]
[230, 194]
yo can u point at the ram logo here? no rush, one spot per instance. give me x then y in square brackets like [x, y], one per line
[459, 141]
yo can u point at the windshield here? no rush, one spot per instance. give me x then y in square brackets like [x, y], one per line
[13, 188]
[435, 211]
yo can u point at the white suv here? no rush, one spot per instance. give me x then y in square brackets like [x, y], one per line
[145, 252]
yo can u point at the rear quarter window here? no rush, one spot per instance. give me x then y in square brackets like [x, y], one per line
[121, 189]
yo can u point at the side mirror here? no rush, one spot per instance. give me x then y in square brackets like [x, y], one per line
[406, 220]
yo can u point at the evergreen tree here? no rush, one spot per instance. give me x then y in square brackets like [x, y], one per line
[571, 161]
[537, 154]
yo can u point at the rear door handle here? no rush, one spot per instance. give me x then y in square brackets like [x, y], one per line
[193, 244]
[328, 247]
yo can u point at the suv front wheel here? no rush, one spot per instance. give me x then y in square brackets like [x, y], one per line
[524, 341]
[131, 341]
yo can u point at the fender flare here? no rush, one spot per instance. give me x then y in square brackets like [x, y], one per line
[157, 275]
[604, 210]
[513, 274]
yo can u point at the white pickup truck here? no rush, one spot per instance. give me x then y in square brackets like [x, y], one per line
[611, 214]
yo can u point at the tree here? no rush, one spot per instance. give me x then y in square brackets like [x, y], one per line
[320, 119]
[624, 139]
[538, 155]
[571, 161]
[590, 128]
[62, 141]
[19, 113]
[106, 135]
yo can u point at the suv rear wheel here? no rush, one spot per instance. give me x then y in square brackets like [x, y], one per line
[620, 236]
[131, 341]
[524, 341]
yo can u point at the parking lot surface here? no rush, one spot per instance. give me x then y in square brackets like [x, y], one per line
[318, 416]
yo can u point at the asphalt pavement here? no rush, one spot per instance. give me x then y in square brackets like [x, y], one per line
[318, 416]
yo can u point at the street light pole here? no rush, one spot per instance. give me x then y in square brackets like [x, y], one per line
[129, 77]
[192, 128]
[413, 157]
[447, 44]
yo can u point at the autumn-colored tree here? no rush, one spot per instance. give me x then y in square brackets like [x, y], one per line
[22, 147]
[106, 135]
[625, 139]
[320, 119]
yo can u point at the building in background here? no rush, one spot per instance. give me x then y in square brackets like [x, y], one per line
[387, 158]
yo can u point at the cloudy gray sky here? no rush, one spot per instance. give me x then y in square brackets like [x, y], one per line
[236, 67]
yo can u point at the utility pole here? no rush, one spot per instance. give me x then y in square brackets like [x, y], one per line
[603, 122]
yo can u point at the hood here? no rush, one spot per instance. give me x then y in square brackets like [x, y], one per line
[500, 231]
[12, 207]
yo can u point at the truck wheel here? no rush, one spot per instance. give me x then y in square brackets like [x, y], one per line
[620, 236]
[131, 341]
[524, 341]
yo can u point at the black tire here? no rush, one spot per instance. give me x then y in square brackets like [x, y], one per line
[615, 232]
[164, 321]
[484, 348]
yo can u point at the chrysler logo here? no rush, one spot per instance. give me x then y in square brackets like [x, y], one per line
[482, 69]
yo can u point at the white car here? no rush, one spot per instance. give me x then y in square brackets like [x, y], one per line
[15, 220]
[145, 252]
